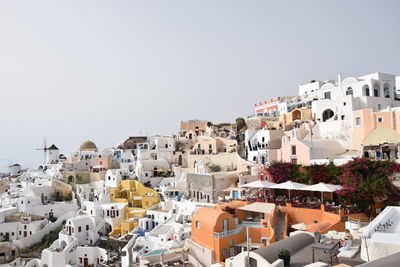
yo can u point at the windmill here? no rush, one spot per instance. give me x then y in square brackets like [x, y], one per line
[44, 148]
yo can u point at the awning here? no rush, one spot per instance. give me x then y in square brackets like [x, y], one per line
[260, 207]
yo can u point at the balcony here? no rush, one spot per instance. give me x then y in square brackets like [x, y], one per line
[235, 231]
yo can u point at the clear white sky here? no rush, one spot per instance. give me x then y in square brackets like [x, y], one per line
[104, 70]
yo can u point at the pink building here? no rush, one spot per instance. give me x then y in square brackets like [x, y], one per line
[377, 134]
[101, 164]
[366, 121]
[307, 152]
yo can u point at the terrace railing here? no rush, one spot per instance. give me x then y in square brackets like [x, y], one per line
[224, 234]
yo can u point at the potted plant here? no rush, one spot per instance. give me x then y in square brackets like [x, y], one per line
[284, 254]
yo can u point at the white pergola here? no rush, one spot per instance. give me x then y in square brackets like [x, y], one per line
[289, 185]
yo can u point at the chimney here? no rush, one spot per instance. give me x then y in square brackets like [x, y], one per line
[340, 80]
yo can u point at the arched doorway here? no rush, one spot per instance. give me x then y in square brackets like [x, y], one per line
[296, 115]
[327, 114]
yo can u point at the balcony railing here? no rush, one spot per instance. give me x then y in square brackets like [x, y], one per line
[252, 224]
[235, 231]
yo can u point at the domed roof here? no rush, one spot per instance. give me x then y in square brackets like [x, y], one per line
[88, 146]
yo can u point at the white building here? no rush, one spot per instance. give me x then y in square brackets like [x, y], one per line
[52, 154]
[115, 176]
[15, 169]
[334, 102]
[74, 245]
[382, 235]
[262, 145]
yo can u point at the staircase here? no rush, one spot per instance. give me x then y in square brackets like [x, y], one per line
[279, 227]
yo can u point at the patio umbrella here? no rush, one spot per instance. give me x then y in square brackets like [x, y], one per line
[300, 226]
[288, 185]
[258, 184]
[322, 187]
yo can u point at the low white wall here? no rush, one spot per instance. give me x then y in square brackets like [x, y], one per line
[37, 237]
[58, 209]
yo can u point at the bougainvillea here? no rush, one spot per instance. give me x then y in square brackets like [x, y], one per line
[284, 171]
[323, 173]
[365, 181]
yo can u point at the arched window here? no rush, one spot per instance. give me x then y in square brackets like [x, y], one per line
[386, 92]
[349, 91]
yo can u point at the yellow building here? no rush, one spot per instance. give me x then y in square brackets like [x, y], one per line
[138, 198]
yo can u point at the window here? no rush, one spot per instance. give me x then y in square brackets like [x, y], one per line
[87, 227]
[197, 224]
[380, 119]
[79, 229]
[226, 227]
[342, 117]
[386, 92]
[379, 106]
[224, 252]
[327, 95]
[344, 103]
[294, 160]
[367, 91]
[293, 150]
[253, 262]
[376, 92]
[358, 121]
[349, 91]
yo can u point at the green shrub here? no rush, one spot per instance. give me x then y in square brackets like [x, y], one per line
[214, 168]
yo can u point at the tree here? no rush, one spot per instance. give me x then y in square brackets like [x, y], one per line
[240, 123]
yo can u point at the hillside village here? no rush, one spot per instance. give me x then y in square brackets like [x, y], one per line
[221, 194]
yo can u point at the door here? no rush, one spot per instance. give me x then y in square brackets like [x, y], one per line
[25, 233]
[235, 194]
[231, 251]
[85, 261]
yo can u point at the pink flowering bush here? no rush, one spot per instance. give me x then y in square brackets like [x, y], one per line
[365, 180]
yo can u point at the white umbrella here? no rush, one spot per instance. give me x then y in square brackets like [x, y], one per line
[322, 187]
[258, 184]
[288, 185]
[300, 226]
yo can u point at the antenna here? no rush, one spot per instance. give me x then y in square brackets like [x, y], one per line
[44, 148]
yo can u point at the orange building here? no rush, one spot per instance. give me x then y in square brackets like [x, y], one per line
[219, 232]
[296, 114]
